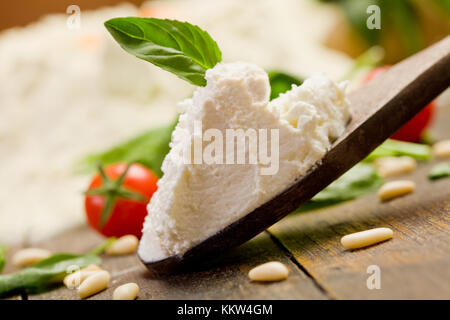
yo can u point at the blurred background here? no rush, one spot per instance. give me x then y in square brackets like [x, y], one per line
[408, 25]
[70, 95]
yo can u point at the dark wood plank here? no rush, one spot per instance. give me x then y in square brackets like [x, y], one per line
[222, 278]
[414, 264]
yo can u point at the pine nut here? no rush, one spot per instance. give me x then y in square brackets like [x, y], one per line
[366, 238]
[395, 189]
[92, 267]
[391, 166]
[270, 271]
[94, 284]
[29, 256]
[75, 279]
[124, 245]
[441, 149]
[127, 291]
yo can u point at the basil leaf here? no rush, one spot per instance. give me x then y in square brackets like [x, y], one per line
[399, 17]
[405, 20]
[367, 60]
[148, 149]
[444, 5]
[281, 82]
[439, 171]
[2, 257]
[392, 148]
[359, 180]
[103, 246]
[357, 16]
[179, 47]
[44, 274]
[49, 272]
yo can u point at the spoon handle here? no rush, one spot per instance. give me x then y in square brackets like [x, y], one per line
[383, 105]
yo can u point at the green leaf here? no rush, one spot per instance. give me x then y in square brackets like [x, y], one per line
[443, 5]
[44, 274]
[359, 180]
[103, 246]
[179, 47]
[367, 60]
[397, 16]
[356, 12]
[439, 171]
[281, 82]
[404, 19]
[148, 149]
[392, 148]
[2, 257]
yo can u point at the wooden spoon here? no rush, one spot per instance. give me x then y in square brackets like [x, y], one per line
[378, 109]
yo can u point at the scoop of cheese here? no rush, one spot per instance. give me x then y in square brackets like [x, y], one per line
[195, 201]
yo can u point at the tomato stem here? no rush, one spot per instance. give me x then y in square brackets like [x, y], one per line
[112, 190]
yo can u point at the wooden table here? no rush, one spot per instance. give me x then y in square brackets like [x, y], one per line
[415, 264]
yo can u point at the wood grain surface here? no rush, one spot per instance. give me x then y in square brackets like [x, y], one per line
[221, 278]
[415, 264]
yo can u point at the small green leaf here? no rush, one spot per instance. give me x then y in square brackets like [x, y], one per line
[356, 13]
[359, 180]
[103, 246]
[49, 272]
[281, 82]
[404, 19]
[443, 5]
[398, 17]
[367, 60]
[148, 149]
[2, 257]
[439, 171]
[179, 47]
[44, 274]
[392, 148]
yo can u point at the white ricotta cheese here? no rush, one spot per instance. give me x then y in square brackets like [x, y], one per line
[195, 201]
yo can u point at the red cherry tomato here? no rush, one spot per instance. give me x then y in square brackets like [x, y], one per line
[413, 130]
[129, 199]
